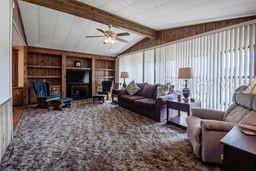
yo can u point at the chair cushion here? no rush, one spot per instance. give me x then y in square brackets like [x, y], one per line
[249, 119]
[149, 91]
[245, 100]
[141, 86]
[237, 114]
[129, 98]
[132, 88]
[145, 103]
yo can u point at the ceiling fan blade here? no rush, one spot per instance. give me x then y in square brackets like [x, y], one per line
[123, 34]
[100, 30]
[122, 40]
[93, 36]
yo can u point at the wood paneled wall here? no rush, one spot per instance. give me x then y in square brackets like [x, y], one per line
[6, 124]
[52, 65]
[170, 35]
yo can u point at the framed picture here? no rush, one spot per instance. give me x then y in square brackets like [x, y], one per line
[77, 63]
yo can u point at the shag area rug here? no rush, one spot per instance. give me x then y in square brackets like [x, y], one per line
[91, 136]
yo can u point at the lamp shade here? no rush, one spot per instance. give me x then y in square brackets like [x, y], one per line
[185, 73]
[124, 75]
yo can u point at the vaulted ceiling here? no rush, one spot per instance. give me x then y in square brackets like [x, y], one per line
[164, 14]
[49, 28]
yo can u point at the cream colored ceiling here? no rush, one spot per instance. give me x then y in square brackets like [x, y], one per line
[163, 14]
[53, 29]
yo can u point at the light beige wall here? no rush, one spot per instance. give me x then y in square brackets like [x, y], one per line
[6, 132]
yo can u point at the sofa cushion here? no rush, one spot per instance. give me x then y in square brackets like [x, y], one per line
[145, 103]
[132, 88]
[237, 114]
[141, 86]
[245, 100]
[129, 98]
[149, 91]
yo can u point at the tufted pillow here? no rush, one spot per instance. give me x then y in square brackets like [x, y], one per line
[162, 90]
[149, 91]
[132, 88]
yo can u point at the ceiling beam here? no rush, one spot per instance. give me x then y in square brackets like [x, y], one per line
[86, 11]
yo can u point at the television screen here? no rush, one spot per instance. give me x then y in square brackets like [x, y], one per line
[78, 76]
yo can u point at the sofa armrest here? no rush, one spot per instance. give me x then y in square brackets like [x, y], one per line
[121, 92]
[207, 114]
[212, 125]
[163, 99]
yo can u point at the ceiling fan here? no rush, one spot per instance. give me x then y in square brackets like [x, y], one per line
[111, 36]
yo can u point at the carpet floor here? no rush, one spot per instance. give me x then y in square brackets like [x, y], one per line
[91, 136]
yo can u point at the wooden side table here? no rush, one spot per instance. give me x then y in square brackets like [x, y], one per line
[239, 151]
[176, 118]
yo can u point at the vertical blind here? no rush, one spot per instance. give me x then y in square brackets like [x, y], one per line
[220, 62]
[133, 64]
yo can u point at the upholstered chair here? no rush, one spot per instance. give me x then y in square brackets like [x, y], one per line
[43, 94]
[207, 127]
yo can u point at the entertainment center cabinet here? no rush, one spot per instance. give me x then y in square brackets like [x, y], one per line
[53, 66]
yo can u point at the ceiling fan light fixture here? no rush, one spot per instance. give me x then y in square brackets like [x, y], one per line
[109, 40]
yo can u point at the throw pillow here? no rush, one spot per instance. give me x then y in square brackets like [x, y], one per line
[132, 88]
[149, 91]
[141, 86]
[162, 90]
[252, 87]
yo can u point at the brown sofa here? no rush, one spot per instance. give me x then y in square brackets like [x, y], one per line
[207, 127]
[145, 102]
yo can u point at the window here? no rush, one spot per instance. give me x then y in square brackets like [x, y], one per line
[149, 68]
[133, 64]
[220, 62]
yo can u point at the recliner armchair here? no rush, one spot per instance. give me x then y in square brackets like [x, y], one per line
[207, 127]
[43, 95]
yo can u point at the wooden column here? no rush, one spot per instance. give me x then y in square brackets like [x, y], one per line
[25, 88]
[93, 76]
[64, 76]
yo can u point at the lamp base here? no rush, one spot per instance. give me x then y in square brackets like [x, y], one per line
[185, 93]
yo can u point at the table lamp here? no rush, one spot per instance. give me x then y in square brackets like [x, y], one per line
[185, 73]
[124, 75]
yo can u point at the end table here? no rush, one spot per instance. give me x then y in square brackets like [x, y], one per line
[185, 106]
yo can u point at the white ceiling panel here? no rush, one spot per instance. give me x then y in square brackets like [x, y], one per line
[53, 29]
[164, 14]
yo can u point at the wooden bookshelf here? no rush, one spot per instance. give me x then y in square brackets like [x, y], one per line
[79, 68]
[43, 67]
[104, 70]
[53, 65]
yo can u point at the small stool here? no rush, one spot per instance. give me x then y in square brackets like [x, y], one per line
[58, 104]
[100, 97]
